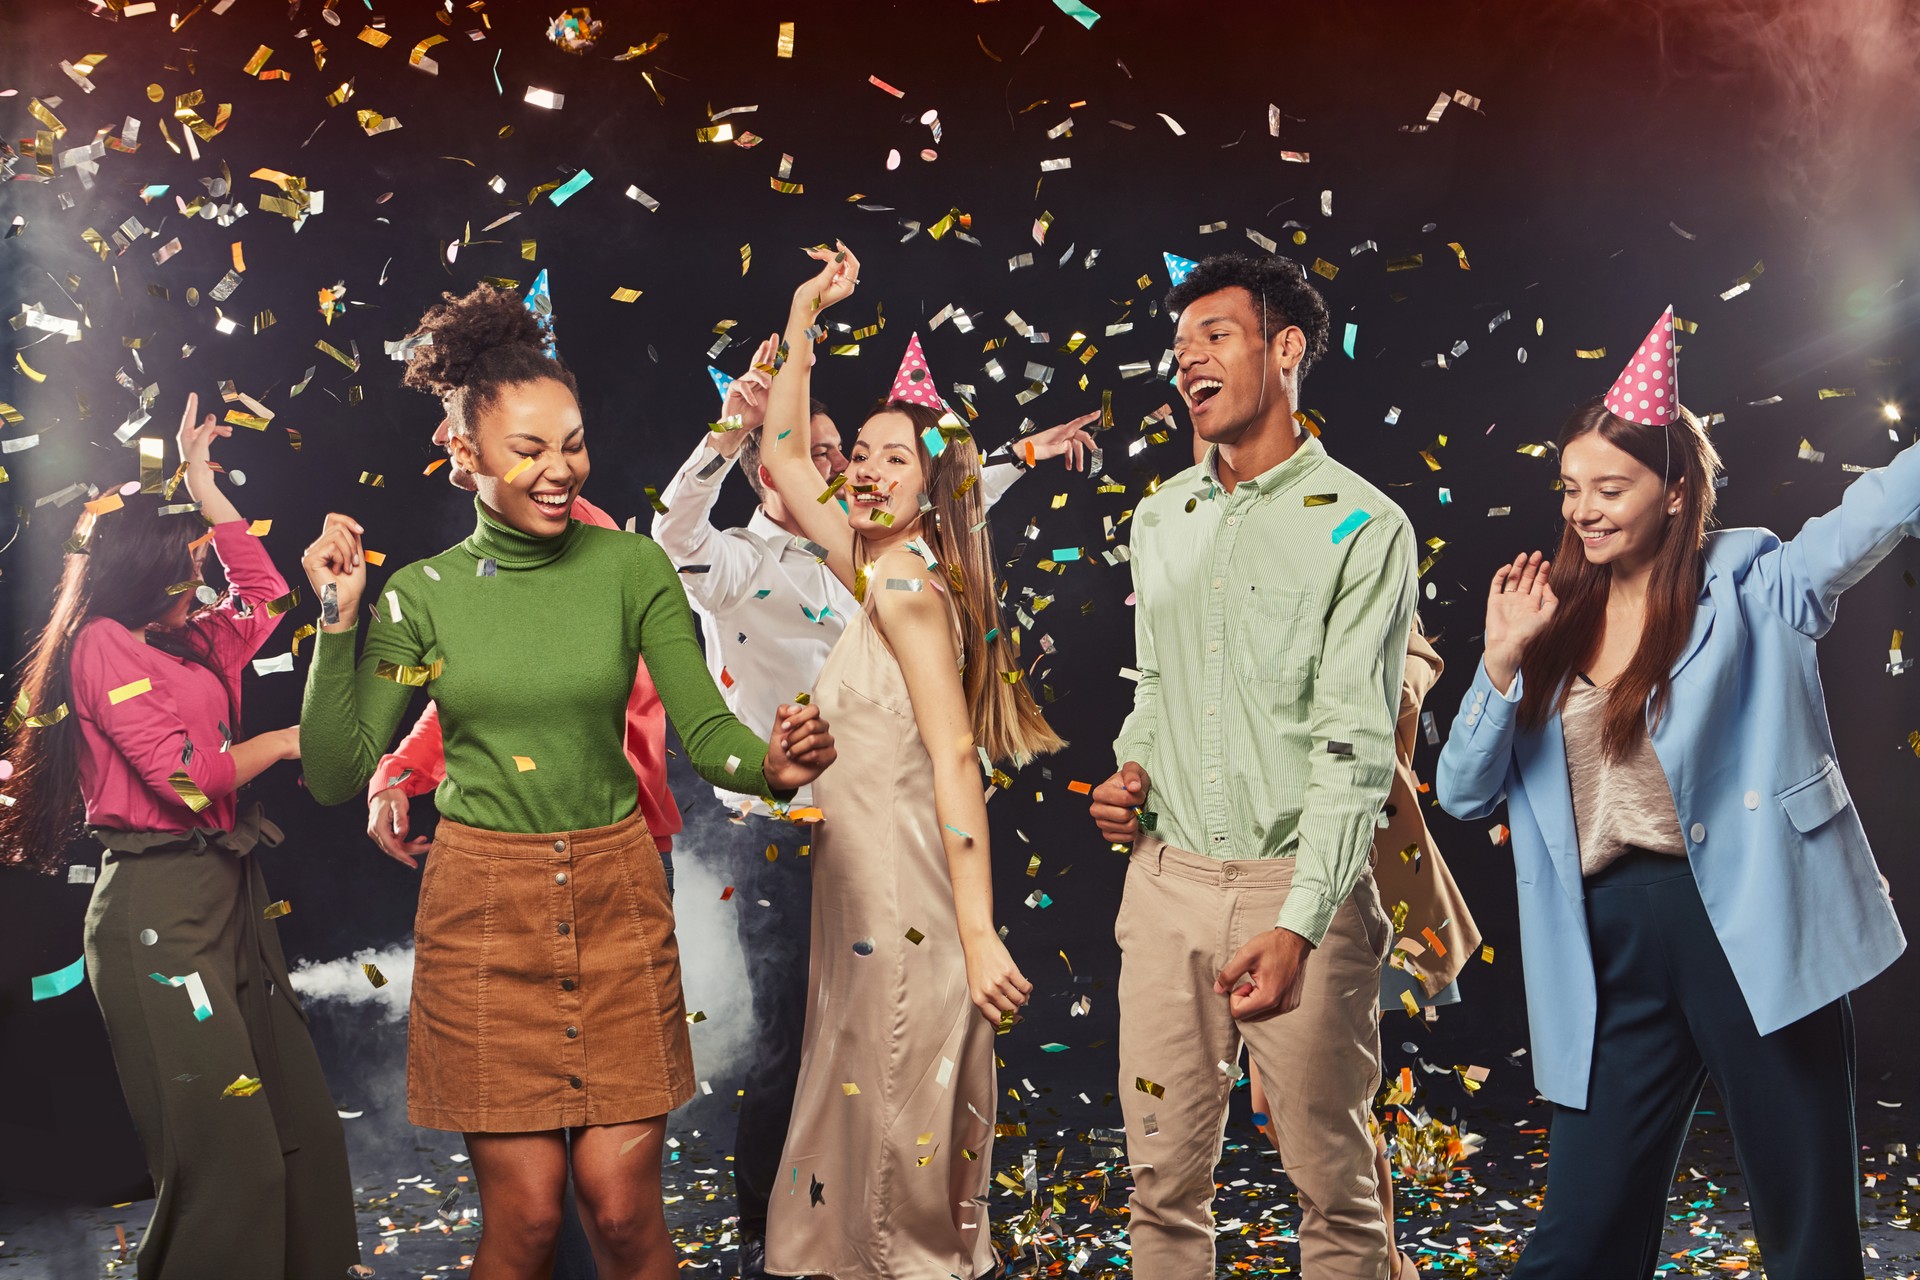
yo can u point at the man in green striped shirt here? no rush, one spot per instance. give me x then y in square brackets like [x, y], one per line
[1274, 592]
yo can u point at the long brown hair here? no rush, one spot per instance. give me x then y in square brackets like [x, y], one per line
[129, 558]
[1677, 453]
[1006, 721]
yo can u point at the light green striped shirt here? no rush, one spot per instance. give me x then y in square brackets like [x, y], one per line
[1271, 625]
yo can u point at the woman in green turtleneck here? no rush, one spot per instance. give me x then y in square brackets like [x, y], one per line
[546, 1012]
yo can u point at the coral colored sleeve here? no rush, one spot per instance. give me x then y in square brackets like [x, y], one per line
[418, 764]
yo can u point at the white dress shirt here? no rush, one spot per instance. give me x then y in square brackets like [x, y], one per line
[769, 609]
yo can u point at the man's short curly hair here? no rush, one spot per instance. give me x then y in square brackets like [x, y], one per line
[1279, 281]
[476, 345]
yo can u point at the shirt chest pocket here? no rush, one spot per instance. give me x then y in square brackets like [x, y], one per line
[1274, 635]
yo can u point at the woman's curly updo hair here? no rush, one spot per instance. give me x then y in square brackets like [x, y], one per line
[1277, 281]
[470, 348]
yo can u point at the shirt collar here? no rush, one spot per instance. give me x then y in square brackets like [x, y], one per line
[1305, 457]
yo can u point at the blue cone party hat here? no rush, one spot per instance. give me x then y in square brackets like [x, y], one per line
[1178, 268]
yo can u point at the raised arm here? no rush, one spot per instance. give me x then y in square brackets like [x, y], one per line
[919, 630]
[1805, 577]
[686, 533]
[348, 715]
[237, 626]
[1471, 779]
[785, 450]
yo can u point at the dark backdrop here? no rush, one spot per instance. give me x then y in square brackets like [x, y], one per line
[1603, 135]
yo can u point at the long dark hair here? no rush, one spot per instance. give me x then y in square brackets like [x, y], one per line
[1677, 453]
[1005, 718]
[126, 561]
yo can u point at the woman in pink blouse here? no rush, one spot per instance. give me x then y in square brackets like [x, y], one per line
[128, 711]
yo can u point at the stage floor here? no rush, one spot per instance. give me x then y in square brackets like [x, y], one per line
[419, 1215]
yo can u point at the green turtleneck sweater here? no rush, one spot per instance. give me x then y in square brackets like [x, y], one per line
[537, 641]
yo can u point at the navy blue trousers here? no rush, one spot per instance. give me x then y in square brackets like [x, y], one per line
[1670, 1016]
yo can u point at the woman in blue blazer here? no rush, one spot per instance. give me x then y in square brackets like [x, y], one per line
[1696, 892]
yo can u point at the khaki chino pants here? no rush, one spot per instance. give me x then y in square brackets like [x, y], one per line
[1182, 917]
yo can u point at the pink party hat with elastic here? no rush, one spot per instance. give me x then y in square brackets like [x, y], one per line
[1648, 389]
[914, 382]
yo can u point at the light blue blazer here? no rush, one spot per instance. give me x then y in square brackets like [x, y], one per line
[1771, 833]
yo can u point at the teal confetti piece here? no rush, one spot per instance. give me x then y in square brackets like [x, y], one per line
[196, 992]
[1078, 12]
[570, 188]
[1350, 525]
[496, 72]
[48, 985]
[763, 593]
[935, 442]
[1353, 331]
[1446, 497]
[1053, 1048]
[1066, 553]
[957, 831]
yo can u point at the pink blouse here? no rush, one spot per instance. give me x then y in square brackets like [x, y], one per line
[179, 723]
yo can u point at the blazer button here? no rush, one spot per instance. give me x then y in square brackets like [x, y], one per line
[566, 984]
[559, 877]
[562, 927]
[559, 846]
[572, 1032]
[1753, 799]
[1698, 833]
[573, 1082]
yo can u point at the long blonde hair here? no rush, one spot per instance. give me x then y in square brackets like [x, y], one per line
[1005, 719]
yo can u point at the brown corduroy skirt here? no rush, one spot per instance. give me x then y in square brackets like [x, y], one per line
[546, 983]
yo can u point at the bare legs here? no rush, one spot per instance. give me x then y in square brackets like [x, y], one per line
[616, 1173]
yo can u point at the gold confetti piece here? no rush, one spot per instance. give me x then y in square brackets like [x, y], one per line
[1408, 263]
[352, 362]
[1320, 499]
[746, 258]
[374, 123]
[28, 369]
[1408, 1003]
[133, 690]
[378, 39]
[302, 633]
[790, 189]
[783, 48]
[17, 717]
[714, 133]
[418, 57]
[1486, 953]
[377, 978]
[181, 588]
[243, 1086]
[523, 763]
[516, 470]
[1461, 254]
[434, 466]
[236, 418]
[1533, 450]
[850, 1089]
[1831, 393]
[189, 791]
[274, 910]
[916, 937]
[1145, 1085]
[258, 529]
[1596, 353]
[418, 677]
[626, 295]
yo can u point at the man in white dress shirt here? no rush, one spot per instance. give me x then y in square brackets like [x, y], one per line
[770, 610]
